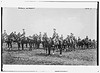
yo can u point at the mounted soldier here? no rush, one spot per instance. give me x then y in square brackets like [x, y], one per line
[40, 36]
[45, 41]
[60, 46]
[23, 34]
[40, 39]
[86, 42]
[72, 38]
[24, 40]
[4, 36]
[54, 34]
[14, 37]
[55, 40]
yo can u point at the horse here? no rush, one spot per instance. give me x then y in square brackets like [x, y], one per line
[9, 41]
[55, 43]
[24, 41]
[60, 45]
[32, 42]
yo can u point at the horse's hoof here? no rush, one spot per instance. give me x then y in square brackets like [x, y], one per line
[53, 53]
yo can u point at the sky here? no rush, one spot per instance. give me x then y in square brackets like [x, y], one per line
[79, 21]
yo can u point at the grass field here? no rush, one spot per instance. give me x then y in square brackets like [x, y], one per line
[39, 57]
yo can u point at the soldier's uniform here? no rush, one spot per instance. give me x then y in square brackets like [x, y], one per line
[5, 35]
[23, 34]
[86, 37]
[54, 35]
[40, 37]
[45, 35]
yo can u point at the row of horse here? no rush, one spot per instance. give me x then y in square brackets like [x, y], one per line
[48, 43]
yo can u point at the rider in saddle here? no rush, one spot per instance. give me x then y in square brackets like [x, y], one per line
[40, 36]
[54, 34]
[45, 35]
[71, 35]
[19, 34]
[61, 39]
[79, 38]
[4, 34]
[86, 38]
[14, 34]
[23, 34]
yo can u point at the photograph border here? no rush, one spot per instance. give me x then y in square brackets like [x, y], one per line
[57, 1]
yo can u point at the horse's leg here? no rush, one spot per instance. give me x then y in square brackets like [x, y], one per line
[46, 50]
[49, 50]
[43, 45]
[26, 44]
[87, 45]
[66, 47]
[63, 47]
[33, 44]
[18, 46]
[22, 46]
[11, 45]
[30, 46]
[38, 45]
[53, 49]
[8, 45]
[73, 46]
[60, 47]
[57, 47]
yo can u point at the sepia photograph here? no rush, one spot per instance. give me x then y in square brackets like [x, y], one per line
[49, 36]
